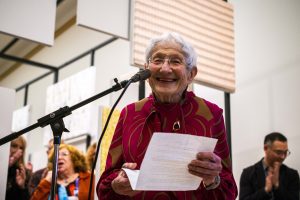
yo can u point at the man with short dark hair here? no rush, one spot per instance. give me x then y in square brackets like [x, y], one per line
[270, 178]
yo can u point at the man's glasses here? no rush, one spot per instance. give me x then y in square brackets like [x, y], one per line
[282, 153]
[172, 61]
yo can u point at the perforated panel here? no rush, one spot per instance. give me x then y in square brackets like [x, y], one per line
[207, 24]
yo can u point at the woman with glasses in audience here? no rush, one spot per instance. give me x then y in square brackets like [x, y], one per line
[72, 176]
[171, 109]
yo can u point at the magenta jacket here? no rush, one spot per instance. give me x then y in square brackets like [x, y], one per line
[137, 123]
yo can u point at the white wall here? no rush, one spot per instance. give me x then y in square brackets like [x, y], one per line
[267, 69]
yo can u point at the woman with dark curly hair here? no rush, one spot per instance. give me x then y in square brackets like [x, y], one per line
[73, 176]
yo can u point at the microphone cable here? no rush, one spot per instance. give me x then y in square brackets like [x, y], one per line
[102, 134]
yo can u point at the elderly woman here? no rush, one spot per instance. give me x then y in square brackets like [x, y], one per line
[72, 176]
[172, 109]
[18, 175]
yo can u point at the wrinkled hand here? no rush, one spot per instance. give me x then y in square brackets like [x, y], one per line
[21, 176]
[121, 184]
[15, 157]
[207, 165]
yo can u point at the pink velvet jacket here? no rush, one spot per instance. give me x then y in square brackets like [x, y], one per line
[137, 123]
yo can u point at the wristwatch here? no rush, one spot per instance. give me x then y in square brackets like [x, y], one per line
[213, 185]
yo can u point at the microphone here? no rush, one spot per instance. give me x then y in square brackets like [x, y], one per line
[140, 76]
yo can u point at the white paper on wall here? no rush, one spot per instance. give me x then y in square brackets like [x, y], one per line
[69, 92]
[21, 118]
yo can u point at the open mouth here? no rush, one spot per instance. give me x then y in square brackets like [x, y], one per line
[60, 163]
[166, 79]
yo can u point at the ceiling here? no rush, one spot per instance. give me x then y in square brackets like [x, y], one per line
[12, 48]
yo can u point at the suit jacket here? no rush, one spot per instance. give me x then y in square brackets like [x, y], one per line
[252, 184]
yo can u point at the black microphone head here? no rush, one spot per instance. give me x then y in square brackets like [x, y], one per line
[141, 75]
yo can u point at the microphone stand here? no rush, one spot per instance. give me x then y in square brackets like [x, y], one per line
[55, 119]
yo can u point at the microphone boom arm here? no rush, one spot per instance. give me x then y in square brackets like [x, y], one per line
[61, 113]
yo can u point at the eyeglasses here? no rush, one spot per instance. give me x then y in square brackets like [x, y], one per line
[64, 154]
[172, 61]
[282, 153]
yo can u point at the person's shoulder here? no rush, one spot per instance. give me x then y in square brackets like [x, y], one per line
[206, 108]
[84, 175]
[202, 101]
[40, 170]
[253, 166]
[138, 105]
[141, 104]
[289, 169]
[38, 173]
[141, 107]
[249, 168]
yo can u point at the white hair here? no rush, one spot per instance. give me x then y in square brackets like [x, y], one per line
[188, 50]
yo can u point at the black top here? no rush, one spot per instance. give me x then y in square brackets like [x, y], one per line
[252, 184]
[13, 191]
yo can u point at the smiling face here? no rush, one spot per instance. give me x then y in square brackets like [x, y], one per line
[276, 152]
[169, 78]
[16, 145]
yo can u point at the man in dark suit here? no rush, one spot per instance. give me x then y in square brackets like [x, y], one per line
[270, 178]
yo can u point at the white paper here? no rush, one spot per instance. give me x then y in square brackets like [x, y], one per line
[164, 167]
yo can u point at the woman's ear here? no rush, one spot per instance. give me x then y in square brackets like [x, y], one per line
[192, 74]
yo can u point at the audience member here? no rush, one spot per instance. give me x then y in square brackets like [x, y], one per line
[18, 175]
[72, 176]
[269, 178]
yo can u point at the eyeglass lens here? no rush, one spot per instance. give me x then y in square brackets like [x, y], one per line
[172, 61]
